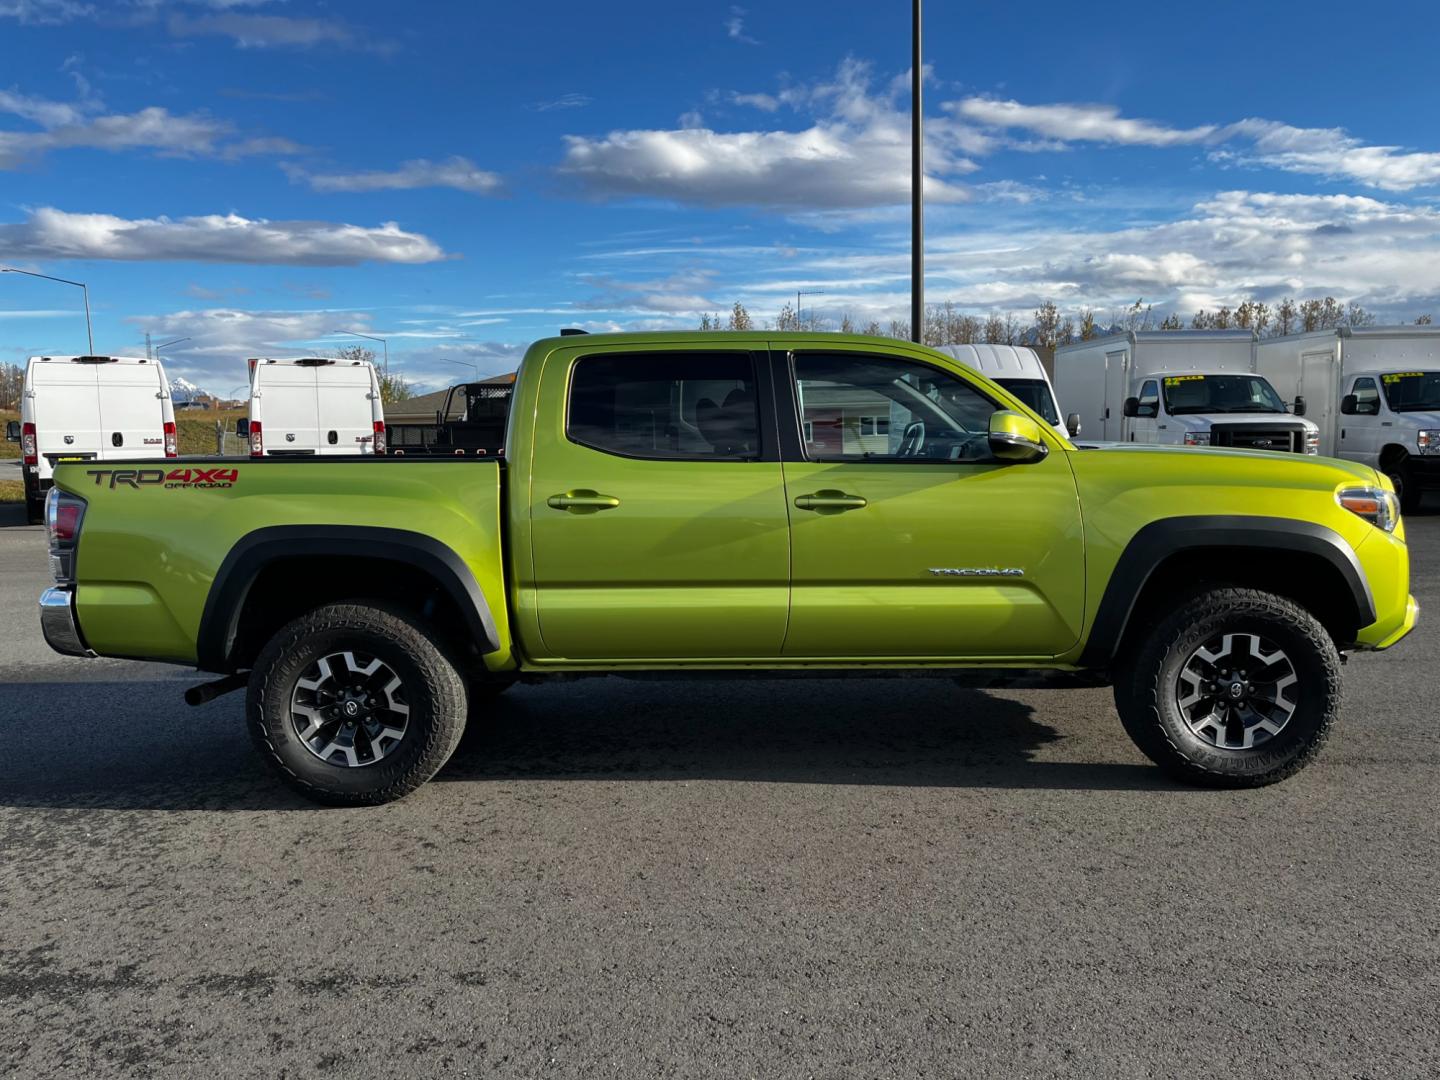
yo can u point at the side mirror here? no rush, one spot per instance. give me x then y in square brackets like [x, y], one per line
[12, 431]
[242, 427]
[1015, 438]
[1132, 406]
[1299, 407]
[1347, 404]
[1072, 425]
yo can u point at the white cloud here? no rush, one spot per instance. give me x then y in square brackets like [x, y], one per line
[564, 101]
[454, 172]
[856, 154]
[43, 12]
[274, 31]
[1078, 122]
[49, 233]
[1331, 153]
[735, 26]
[75, 125]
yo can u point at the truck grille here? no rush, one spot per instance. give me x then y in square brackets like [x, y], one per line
[1286, 438]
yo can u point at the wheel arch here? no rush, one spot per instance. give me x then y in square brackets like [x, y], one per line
[311, 564]
[1304, 561]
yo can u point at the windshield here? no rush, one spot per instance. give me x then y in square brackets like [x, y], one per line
[1036, 394]
[1412, 391]
[1220, 394]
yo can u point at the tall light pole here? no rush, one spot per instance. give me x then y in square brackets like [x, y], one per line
[464, 363]
[167, 344]
[372, 337]
[807, 292]
[917, 184]
[89, 334]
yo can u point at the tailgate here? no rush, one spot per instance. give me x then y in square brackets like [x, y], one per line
[288, 409]
[345, 409]
[132, 411]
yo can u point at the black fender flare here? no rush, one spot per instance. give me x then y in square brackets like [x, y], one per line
[220, 620]
[1159, 540]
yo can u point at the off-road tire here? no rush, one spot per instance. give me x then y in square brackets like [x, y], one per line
[431, 680]
[1146, 688]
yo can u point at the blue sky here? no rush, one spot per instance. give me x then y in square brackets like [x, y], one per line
[463, 178]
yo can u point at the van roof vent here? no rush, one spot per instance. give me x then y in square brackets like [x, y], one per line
[571, 331]
[94, 359]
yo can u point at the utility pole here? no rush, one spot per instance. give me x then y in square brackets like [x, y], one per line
[148, 354]
[917, 184]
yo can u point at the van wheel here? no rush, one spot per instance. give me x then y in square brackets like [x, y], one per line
[356, 704]
[1235, 688]
[1406, 490]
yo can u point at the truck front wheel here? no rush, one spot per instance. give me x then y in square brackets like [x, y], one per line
[1235, 688]
[355, 704]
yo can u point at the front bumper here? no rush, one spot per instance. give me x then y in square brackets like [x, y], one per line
[1425, 468]
[58, 623]
[1412, 613]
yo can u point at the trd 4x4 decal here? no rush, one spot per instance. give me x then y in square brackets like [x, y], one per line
[218, 477]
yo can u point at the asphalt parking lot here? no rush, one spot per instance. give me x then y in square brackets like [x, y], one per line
[788, 878]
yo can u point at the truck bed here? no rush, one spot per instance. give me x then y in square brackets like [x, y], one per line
[141, 599]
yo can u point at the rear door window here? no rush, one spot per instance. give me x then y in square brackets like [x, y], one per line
[666, 406]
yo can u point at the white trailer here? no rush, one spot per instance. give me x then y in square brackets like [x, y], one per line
[89, 408]
[1019, 370]
[1177, 387]
[1374, 391]
[313, 405]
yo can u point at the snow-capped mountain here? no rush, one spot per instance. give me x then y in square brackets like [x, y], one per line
[185, 390]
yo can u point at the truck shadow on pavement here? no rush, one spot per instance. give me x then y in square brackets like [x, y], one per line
[145, 750]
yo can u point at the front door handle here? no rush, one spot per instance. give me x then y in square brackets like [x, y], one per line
[582, 501]
[830, 500]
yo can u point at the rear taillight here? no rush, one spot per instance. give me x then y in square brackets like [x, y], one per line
[28, 445]
[64, 514]
[257, 440]
[172, 441]
[379, 441]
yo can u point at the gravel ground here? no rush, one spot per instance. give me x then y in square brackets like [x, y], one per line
[730, 879]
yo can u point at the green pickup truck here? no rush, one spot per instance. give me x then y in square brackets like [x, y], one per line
[733, 504]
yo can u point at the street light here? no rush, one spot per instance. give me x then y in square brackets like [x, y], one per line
[917, 183]
[167, 344]
[807, 292]
[464, 363]
[372, 337]
[89, 334]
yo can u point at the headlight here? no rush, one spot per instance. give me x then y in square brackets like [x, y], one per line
[1312, 442]
[1375, 505]
[1197, 438]
[1428, 441]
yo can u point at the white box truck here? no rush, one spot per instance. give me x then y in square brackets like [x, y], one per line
[1374, 391]
[89, 408]
[313, 405]
[1019, 370]
[1178, 387]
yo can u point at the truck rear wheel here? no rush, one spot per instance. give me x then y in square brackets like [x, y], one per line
[1235, 688]
[355, 704]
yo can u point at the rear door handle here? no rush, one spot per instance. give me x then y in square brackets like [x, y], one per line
[830, 500]
[582, 501]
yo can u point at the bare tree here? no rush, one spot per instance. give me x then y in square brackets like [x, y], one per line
[1253, 316]
[1013, 330]
[12, 382]
[1200, 320]
[787, 319]
[899, 328]
[872, 329]
[1087, 324]
[1047, 324]
[994, 329]
[1140, 316]
[1172, 322]
[1286, 316]
[740, 318]
[1356, 315]
[1423, 320]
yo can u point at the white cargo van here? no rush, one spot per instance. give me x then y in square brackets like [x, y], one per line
[1019, 370]
[313, 405]
[1179, 387]
[1374, 391]
[89, 408]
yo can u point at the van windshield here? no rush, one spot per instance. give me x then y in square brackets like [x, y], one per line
[1412, 391]
[1036, 394]
[1220, 394]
